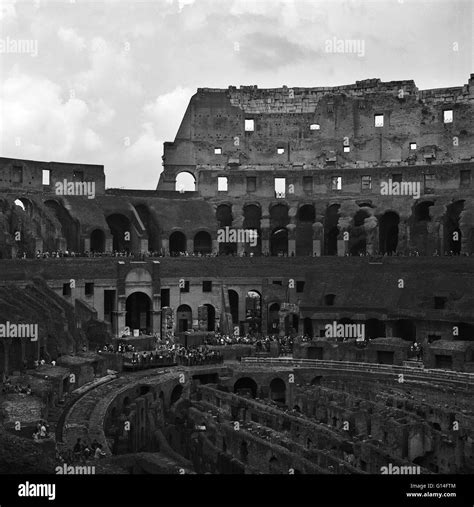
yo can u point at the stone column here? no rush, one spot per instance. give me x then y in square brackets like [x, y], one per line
[343, 244]
[165, 245]
[265, 231]
[143, 245]
[87, 244]
[291, 239]
[190, 245]
[109, 244]
[237, 224]
[317, 238]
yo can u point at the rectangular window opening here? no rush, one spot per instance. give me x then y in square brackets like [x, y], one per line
[448, 116]
[217, 151]
[249, 125]
[366, 182]
[336, 183]
[378, 120]
[46, 177]
[222, 184]
[280, 188]
[207, 286]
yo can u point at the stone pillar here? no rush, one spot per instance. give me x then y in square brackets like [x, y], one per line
[215, 246]
[87, 244]
[317, 238]
[290, 393]
[291, 239]
[143, 245]
[372, 237]
[237, 224]
[38, 245]
[190, 245]
[165, 245]
[343, 244]
[109, 244]
[265, 230]
[155, 322]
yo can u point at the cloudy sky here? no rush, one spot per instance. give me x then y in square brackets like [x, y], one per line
[107, 82]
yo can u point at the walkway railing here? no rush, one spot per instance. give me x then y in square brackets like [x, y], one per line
[425, 374]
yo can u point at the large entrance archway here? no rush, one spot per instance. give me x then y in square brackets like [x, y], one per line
[246, 386]
[184, 318]
[278, 391]
[121, 230]
[388, 232]
[97, 241]
[138, 306]
[279, 242]
[177, 243]
[202, 243]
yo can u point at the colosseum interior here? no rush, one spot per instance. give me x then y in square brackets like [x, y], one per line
[360, 271]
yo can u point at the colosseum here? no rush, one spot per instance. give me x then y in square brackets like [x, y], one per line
[295, 297]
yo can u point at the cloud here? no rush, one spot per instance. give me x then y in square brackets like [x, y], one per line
[69, 36]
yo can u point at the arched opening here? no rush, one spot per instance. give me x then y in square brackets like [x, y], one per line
[224, 219]
[138, 307]
[151, 226]
[177, 243]
[388, 232]
[419, 235]
[274, 318]
[121, 230]
[246, 386]
[252, 217]
[374, 328]
[278, 391]
[69, 226]
[279, 242]
[253, 312]
[234, 306]
[184, 318]
[185, 182]
[176, 394]
[279, 219]
[211, 317]
[308, 327]
[453, 236]
[304, 230]
[97, 241]
[405, 329]
[202, 243]
[331, 230]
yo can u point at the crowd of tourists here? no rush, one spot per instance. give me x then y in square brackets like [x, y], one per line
[81, 452]
[59, 254]
[198, 356]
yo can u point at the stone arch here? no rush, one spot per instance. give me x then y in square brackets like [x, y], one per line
[278, 390]
[225, 219]
[304, 230]
[452, 230]
[234, 305]
[69, 226]
[185, 181]
[151, 226]
[203, 243]
[138, 306]
[245, 385]
[279, 241]
[331, 230]
[252, 218]
[121, 229]
[97, 241]
[388, 232]
[177, 243]
[184, 318]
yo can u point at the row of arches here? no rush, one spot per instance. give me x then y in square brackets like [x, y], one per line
[126, 231]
